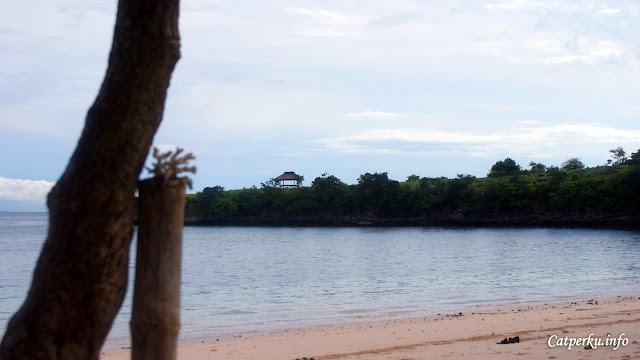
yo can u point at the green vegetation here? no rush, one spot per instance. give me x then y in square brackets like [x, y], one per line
[572, 164]
[504, 168]
[507, 190]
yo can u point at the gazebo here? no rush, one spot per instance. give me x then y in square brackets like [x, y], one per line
[289, 179]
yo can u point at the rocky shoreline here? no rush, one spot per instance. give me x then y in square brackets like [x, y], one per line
[458, 219]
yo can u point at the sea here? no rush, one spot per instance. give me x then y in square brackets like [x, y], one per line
[249, 280]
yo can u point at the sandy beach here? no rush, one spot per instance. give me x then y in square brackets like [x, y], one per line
[611, 327]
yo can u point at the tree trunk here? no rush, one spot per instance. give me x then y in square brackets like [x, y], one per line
[81, 275]
[155, 316]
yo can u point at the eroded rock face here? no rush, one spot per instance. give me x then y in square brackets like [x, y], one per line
[458, 219]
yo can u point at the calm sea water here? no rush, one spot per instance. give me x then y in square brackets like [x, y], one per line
[245, 279]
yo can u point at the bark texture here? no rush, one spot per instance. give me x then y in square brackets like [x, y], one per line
[155, 317]
[81, 275]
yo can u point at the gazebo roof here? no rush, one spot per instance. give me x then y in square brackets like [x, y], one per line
[287, 175]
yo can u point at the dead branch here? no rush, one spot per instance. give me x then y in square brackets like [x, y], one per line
[168, 165]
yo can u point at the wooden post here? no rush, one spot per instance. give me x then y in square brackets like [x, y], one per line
[155, 318]
[80, 278]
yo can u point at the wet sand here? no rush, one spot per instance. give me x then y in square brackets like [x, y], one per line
[469, 335]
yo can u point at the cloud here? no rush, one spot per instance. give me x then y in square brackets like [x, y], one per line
[374, 114]
[329, 17]
[540, 49]
[533, 141]
[24, 190]
[324, 23]
[398, 19]
[536, 6]
[574, 49]
[346, 72]
[565, 32]
[528, 122]
[608, 11]
[587, 51]
[163, 148]
[195, 150]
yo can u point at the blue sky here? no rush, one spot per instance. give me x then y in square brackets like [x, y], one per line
[431, 88]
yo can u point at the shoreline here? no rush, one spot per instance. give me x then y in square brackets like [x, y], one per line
[473, 334]
[457, 220]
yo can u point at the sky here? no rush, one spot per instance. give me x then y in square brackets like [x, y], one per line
[432, 88]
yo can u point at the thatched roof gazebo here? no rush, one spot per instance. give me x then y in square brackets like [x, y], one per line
[290, 179]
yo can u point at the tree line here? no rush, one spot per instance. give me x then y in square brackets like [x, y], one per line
[507, 189]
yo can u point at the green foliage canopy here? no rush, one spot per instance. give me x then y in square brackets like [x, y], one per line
[506, 190]
[572, 164]
[504, 167]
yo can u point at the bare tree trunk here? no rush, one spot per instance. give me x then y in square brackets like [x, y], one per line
[81, 275]
[155, 317]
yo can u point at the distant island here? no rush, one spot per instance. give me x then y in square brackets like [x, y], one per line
[571, 195]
